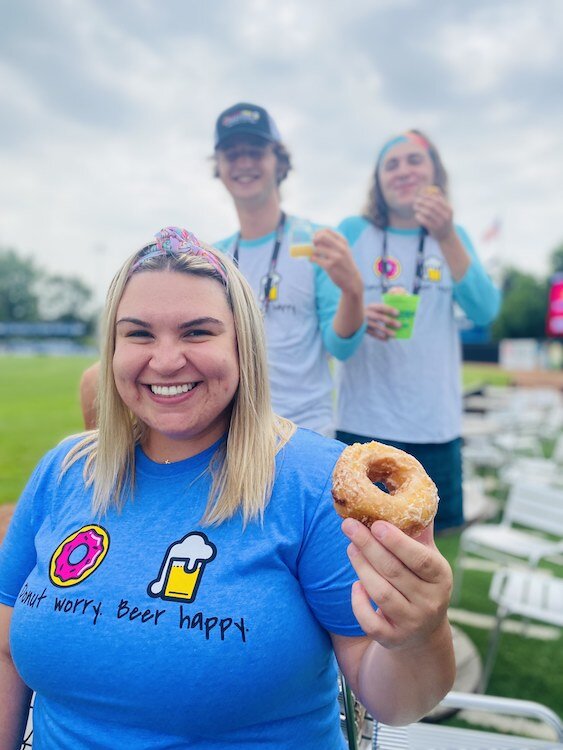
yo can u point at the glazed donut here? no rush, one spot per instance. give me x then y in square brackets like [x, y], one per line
[430, 190]
[62, 571]
[412, 498]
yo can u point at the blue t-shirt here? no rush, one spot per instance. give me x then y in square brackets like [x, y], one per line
[143, 629]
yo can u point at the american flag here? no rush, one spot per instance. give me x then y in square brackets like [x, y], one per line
[492, 231]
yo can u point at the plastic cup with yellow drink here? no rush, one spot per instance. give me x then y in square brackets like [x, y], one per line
[406, 305]
[301, 239]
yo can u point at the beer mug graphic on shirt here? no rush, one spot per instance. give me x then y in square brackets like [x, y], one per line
[182, 568]
[269, 287]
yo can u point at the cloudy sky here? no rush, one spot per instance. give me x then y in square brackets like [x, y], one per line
[108, 108]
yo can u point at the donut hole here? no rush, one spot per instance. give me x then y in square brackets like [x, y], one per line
[383, 474]
[78, 554]
[383, 487]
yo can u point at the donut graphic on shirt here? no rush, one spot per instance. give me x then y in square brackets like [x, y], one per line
[78, 555]
[388, 267]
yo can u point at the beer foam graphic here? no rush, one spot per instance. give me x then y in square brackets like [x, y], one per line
[190, 553]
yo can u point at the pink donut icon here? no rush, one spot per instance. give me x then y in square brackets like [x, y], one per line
[92, 541]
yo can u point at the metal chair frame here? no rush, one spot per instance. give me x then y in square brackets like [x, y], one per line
[538, 510]
[424, 736]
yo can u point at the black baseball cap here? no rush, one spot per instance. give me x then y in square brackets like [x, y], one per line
[245, 119]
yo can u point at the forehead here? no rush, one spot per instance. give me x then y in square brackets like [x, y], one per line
[243, 139]
[150, 293]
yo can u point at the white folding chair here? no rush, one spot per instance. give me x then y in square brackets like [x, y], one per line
[28, 733]
[538, 508]
[530, 469]
[424, 736]
[528, 445]
[557, 455]
[481, 453]
[535, 595]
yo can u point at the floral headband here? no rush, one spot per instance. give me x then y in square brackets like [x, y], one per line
[407, 137]
[175, 241]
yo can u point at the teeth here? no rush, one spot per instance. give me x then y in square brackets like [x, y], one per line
[171, 390]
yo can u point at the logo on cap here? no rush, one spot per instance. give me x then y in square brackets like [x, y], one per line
[243, 115]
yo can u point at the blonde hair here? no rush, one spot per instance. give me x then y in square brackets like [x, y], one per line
[243, 469]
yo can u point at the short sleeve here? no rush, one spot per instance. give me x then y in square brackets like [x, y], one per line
[17, 552]
[325, 572]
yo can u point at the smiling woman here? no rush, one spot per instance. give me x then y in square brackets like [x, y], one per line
[189, 549]
[177, 368]
[180, 314]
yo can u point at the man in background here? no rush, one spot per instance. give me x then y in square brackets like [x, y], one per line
[313, 307]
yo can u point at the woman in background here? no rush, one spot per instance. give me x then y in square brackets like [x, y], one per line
[407, 392]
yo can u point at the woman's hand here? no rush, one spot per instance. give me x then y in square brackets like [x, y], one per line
[332, 253]
[405, 663]
[434, 213]
[407, 578]
[382, 321]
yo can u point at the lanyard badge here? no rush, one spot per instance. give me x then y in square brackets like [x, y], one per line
[271, 281]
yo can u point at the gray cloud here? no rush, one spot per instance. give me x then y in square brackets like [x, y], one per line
[111, 107]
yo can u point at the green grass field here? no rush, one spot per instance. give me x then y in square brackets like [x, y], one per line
[40, 406]
[476, 375]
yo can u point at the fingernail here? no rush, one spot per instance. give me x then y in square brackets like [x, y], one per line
[358, 586]
[379, 530]
[350, 526]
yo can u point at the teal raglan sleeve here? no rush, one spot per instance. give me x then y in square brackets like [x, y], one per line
[475, 293]
[226, 244]
[352, 228]
[327, 298]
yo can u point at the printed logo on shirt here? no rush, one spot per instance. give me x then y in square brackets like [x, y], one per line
[389, 267]
[78, 556]
[433, 268]
[182, 568]
[273, 282]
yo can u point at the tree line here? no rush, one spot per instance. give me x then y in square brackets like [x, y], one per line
[29, 293]
[525, 297]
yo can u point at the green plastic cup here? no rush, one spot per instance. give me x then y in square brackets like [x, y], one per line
[407, 305]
